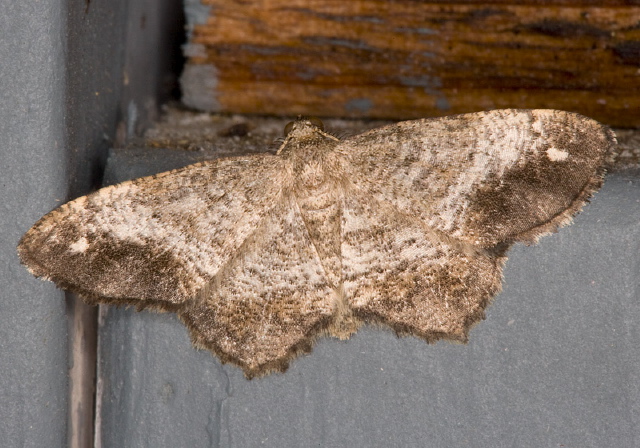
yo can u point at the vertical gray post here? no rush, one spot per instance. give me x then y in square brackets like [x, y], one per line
[34, 173]
[61, 88]
[65, 91]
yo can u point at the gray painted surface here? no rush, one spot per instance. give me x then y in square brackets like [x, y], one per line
[155, 31]
[62, 84]
[95, 50]
[33, 173]
[554, 364]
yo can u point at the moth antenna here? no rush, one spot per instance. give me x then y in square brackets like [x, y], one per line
[342, 135]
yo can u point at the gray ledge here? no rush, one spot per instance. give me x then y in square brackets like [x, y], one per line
[555, 362]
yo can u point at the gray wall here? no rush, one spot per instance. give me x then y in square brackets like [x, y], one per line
[64, 93]
[33, 350]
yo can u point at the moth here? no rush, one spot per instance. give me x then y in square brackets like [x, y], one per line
[406, 226]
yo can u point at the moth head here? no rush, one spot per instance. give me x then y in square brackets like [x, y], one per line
[303, 123]
[307, 128]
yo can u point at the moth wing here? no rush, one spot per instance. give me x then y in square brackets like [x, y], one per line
[399, 272]
[484, 178]
[269, 301]
[154, 241]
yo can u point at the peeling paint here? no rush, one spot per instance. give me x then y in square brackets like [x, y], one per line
[199, 85]
[195, 14]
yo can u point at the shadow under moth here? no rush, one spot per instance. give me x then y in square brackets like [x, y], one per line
[405, 226]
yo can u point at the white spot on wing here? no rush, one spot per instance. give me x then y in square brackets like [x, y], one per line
[556, 155]
[79, 246]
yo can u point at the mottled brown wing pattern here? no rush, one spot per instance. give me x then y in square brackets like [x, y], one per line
[406, 225]
[157, 240]
[269, 301]
[400, 273]
[488, 177]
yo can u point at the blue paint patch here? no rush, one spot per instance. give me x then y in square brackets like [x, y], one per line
[309, 74]
[353, 44]
[425, 81]
[410, 30]
[342, 18]
[196, 14]
[336, 17]
[362, 105]
[442, 103]
[264, 50]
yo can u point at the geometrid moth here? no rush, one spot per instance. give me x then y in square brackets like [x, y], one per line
[406, 226]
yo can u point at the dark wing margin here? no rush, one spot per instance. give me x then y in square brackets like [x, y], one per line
[485, 178]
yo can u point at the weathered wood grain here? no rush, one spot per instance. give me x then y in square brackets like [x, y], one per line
[407, 59]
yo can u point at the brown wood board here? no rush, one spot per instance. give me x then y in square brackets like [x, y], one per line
[409, 59]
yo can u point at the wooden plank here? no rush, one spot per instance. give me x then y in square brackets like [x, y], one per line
[406, 59]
